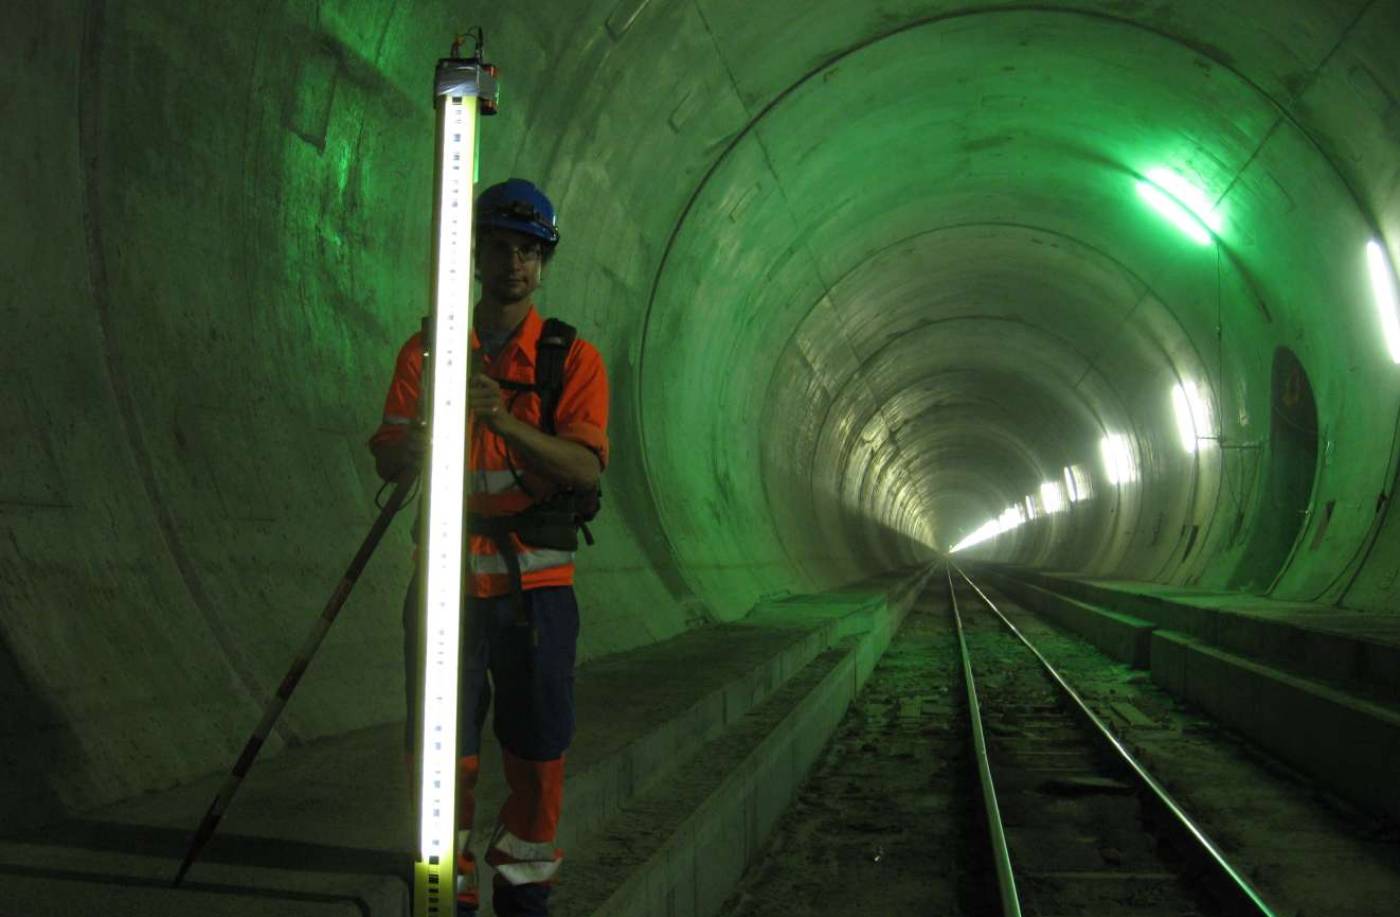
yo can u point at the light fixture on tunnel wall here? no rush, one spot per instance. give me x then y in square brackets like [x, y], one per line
[464, 88]
[1078, 484]
[1052, 496]
[1183, 204]
[1119, 465]
[1193, 415]
[1383, 291]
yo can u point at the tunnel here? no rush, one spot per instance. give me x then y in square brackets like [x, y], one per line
[1102, 289]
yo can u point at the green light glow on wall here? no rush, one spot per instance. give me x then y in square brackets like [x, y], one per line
[1183, 204]
[1383, 291]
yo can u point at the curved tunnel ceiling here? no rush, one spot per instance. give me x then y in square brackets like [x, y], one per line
[863, 277]
[1014, 138]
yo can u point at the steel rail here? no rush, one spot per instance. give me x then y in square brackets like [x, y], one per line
[1236, 892]
[1001, 853]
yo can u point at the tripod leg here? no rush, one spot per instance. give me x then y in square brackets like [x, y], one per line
[299, 665]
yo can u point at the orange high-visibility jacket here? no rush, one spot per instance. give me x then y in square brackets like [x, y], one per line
[581, 416]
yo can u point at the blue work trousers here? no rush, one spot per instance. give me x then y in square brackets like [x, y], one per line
[528, 667]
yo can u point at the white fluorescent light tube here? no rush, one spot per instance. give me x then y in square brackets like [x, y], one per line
[1185, 422]
[1383, 290]
[1083, 484]
[1118, 459]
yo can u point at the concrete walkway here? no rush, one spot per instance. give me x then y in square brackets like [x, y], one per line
[327, 828]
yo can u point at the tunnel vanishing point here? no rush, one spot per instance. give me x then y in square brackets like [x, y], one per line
[1099, 288]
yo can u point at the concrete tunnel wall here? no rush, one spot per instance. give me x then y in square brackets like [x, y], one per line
[863, 275]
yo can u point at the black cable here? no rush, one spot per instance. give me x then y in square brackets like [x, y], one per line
[479, 35]
[514, 472]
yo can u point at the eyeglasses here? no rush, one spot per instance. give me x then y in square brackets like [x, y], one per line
[498, 249]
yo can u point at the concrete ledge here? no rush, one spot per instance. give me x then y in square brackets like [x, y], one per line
[679, 848]
[1122, 637]
[1149, 607]
[787, 635]
[53, 897]
[1349, 744]
[1313, 641]
[600, 784]
[39, 880]
[678, 851]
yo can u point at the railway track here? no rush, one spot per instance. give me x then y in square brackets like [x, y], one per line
[1075, 824]
[969, 779]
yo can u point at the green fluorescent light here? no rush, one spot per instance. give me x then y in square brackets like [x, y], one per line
[1383, 289]
[1184, 205]
[1052, 496]
[1188, 194]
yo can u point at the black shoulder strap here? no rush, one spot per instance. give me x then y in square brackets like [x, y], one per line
[556, 338]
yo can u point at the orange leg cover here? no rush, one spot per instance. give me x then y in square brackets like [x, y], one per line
[468, 770]
[531, 812]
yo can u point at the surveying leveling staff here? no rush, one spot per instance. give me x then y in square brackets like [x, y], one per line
[524, 619]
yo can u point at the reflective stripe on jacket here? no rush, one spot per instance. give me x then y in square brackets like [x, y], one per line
[581, 416]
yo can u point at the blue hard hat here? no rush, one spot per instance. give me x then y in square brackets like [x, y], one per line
[517, 204]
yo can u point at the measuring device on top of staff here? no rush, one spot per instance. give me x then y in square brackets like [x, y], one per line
[464, 89]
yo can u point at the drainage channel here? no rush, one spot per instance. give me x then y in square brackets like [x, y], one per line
[1075, 824]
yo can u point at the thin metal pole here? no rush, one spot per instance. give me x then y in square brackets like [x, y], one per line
[289, 683]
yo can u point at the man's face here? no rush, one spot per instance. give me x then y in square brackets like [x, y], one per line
[509, 264]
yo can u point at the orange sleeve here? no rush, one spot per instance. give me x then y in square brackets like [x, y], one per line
[582, 413]
[401, 404]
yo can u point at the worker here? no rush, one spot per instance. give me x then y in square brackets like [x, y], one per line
[533, 476]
